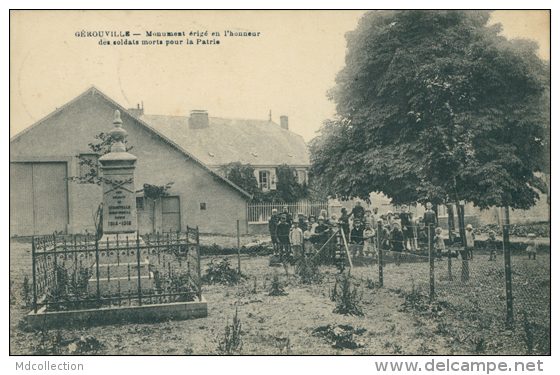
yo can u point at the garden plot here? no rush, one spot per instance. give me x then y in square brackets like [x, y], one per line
[397, 319]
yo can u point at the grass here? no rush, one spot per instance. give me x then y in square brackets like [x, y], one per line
[285, 325]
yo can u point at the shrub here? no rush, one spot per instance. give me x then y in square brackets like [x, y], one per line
[232, 341]
[276, 287]
[221, 272]
[27, 292]
[308, 271]
[341, 336]
[348, 299]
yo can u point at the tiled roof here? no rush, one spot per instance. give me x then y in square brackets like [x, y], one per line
[95, 91]
[257, 142]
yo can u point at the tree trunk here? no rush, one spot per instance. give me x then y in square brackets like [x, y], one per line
[461, 220]
[450, 223]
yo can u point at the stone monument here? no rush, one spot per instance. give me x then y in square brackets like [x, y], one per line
[119, 196]
[118, 269]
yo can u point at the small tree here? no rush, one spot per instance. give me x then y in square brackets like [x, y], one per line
[288, 189]
[243, 175]
[100, 148]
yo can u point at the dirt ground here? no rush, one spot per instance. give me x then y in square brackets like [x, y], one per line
[397, 319]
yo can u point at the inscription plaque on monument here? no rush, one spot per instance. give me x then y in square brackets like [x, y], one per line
[120, 203]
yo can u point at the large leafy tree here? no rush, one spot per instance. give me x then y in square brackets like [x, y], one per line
[436, 106]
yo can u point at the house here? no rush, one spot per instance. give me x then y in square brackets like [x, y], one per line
[43, 201]
[219, 141]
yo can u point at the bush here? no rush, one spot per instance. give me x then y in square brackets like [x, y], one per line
[341, 336]
[308, 271]
[276, 287]
[221, 272]
[348, 299]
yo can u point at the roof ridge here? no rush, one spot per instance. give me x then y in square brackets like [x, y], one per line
[223, 118]
[92, 89]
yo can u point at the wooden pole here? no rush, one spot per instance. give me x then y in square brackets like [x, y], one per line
[347, 251]
[238, 250]
[431, 258]
[380, 252]
[139, 273]
[507, 264]
[34, 276]
[198, 264]
[97, 271]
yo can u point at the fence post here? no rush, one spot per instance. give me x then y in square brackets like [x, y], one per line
[198, 264]
[34, 275]
[431, 259]
[139, 273]
[97, 270]
[380, 252]
[55, 272]
[238, 250]
[507, 261]
[449, 263]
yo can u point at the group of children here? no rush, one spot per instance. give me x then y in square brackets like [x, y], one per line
[300, 236]
[304, 236]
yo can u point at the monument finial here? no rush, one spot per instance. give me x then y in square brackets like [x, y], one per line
[118, 134]
[117, 119]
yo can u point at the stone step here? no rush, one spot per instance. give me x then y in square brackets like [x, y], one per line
[114, 270]
[121, 284]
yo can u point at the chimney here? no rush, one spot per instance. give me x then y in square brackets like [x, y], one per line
[198, 119]
[284, 122]
[137, 112]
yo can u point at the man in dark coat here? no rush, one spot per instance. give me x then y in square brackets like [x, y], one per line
[283, 235]
[272, 223]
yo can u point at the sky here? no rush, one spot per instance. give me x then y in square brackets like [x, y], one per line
[286, 70]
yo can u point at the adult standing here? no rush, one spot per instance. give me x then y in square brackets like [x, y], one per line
[358, 212]
[407, 228]
[283, 235]
[289, 218]
[430, 220]
[272, 223]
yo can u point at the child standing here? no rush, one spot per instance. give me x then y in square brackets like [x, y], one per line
[369, 247]
[296, 240]
[397, 241]
[469, 234]
[357, 238]
[439, 244]
[532, 246]
[491, 245]
[307, 244]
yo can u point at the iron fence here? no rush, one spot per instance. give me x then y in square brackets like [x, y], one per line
[81, 272]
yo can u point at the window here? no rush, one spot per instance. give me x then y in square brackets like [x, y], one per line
[203, 206]
[88, 164]
[139, 203]
[301, 175]
[264, 179]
